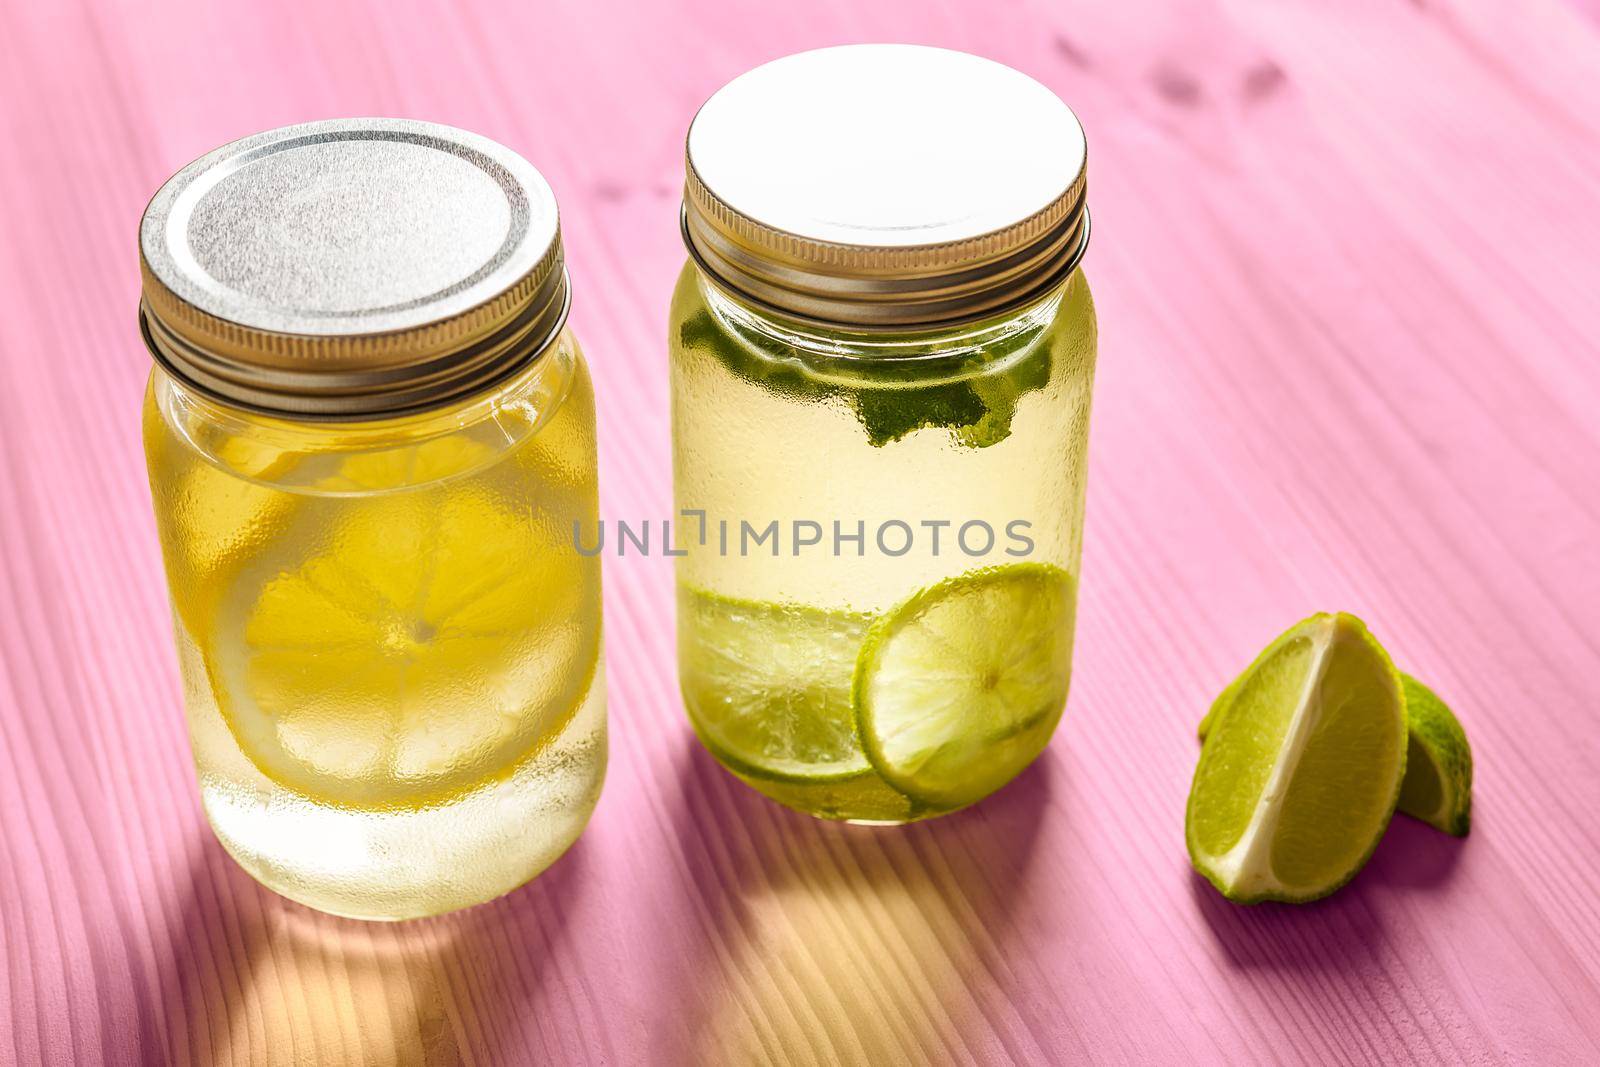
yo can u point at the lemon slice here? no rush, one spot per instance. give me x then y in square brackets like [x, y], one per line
[217, 518]
[427, 646]
[959, 688]
[1301, 770]
[255, 458]
[408, 464]
[212, 509]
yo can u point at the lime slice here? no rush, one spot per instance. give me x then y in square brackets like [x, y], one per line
[424, 645]
[959, 688]
[1437, 787]
[767, 685]
[1299, 776]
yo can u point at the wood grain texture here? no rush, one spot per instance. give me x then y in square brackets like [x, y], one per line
[1345, 259]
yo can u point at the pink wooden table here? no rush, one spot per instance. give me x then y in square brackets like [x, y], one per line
[1348, 270]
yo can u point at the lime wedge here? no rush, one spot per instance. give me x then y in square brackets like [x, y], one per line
[959, 688]
[1438, 783]
[1299, 775]
[1437, 787]
[1217, 707]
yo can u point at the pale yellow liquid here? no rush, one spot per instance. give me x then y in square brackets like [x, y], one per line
[390, 648]
[748, 446]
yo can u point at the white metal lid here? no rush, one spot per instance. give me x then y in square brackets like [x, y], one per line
[886, 185]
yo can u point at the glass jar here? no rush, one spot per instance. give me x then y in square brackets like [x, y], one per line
[882, 357]
[369, 434]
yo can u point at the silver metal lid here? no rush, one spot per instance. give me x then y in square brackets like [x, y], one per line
[352, 268]
[886, 186]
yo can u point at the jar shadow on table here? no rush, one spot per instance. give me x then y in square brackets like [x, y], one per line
[247, 976]
[1346, 933]
[857, 943]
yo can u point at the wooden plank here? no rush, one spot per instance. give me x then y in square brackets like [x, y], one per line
[1344, 261]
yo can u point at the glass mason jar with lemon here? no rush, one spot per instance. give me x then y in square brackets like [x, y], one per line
[882, 359]
[369, 435]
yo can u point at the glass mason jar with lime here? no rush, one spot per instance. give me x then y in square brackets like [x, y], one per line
[369, 434]
[882, 358]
